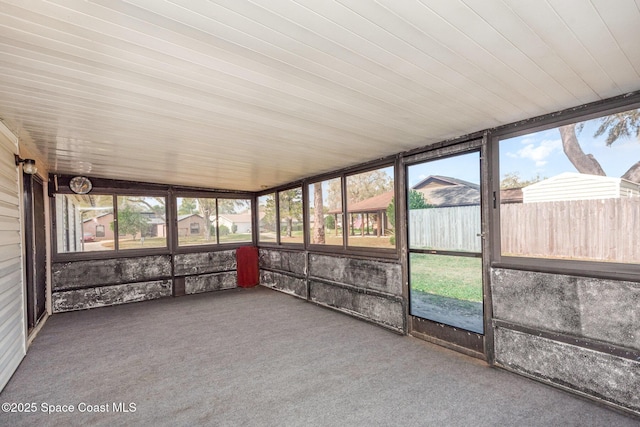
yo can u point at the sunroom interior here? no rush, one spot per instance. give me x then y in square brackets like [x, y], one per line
[465, 174]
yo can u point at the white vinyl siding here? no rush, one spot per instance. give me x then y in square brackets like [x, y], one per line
[12, 316]
[573, 186]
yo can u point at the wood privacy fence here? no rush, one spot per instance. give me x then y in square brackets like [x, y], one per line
[452, 229]
[599, 230]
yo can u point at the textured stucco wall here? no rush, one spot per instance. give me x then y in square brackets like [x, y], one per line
[603, 310]
[380, 276]
[366, 288]
[570, 331]
[204, 262]
[207, 271]
[210, 282]
[283, 282]
[80, 299]
[95, 283]
[84, 274]
[284, 271]
[604, 376]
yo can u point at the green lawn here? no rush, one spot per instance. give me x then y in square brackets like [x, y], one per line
[129, 243]
[449, 276]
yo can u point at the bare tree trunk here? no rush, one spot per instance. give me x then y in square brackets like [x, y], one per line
[584, 163]
[633, 174]
[318, 214]
[289, 226]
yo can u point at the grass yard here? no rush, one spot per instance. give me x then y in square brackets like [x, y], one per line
[449, 276]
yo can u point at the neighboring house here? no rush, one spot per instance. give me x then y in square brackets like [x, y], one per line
[99, 226]
[242, 221]
[191, 225]
[444, 191]
[511, 195]
[368, 211]
[579, 186]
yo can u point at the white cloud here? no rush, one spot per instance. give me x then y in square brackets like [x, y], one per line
[539, 153]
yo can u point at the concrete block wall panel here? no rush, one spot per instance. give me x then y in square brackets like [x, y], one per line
[79, 285]
[380, 309]
[576, 332]
[613, 379]
[367, 289]
[79, 299]
[285, 283]
[381, 276]
[207, 271]
[283, 261]
[210, 282]
[113, 271]
[204, 262]
[284, 271]
[598, 309]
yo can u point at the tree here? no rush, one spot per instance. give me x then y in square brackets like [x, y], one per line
[416, 201]
[368, 184]
[268, 221]
[187, 206]
[290, 208]
[616, 126]
[513, 180]
[207, 208]
[131, 221]
[318, 214]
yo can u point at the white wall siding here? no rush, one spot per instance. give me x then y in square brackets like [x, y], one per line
[572, 186]
[12, 315]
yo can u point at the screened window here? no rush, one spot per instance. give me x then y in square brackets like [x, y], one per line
[573, 192]
[290, 214]
[234, 220]
[325, 212]
[196, 225]
[84, 223]
[267, 218]
[142, 222]
[210, 221]
[371, 209]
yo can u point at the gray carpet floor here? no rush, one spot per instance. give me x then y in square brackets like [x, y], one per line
[258, 357]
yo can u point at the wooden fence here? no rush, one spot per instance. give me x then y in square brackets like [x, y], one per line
[453, 228]
[599, 230]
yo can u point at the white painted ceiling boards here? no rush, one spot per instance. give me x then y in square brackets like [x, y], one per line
[246, 94]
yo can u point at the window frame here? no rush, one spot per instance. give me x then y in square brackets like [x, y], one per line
[345, 209]
[215, 246]
[582, 268]
[279, 219]
[59, 184]
[343, 249]
[307, 212]
[116, 252]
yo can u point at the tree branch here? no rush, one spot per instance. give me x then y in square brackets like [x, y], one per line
[584, 163]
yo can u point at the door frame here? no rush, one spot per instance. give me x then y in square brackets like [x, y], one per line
[30, 249]
[467, 342]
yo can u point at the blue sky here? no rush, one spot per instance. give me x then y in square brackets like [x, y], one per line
[541, 153]
[536, 154]
[465, 167]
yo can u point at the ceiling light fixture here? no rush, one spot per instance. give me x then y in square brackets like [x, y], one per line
[28, 165]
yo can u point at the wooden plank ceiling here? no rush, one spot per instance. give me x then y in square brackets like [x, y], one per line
[251, 94]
